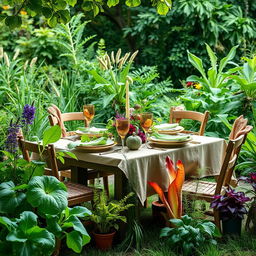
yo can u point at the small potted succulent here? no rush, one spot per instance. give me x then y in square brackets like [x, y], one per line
[231, 207]
[106, 216]
[251, 218]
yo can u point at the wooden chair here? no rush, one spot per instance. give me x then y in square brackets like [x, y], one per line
[205, 190]
[77, 193]
[177, 115]
[58, 118]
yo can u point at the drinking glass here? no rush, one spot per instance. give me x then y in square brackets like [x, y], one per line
[89, 113]
[122, 127]
[146, 121]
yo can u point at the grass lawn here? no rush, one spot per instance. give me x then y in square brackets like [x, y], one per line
[154, 246]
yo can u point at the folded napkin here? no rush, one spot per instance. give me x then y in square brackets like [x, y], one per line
[97, 142]
[166, 126]
[93, 130]
[167, 137]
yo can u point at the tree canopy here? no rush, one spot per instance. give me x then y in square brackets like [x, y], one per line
[59, 11]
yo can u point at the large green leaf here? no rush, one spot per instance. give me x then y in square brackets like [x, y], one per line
[212, 56]
[10, 199]
[29, 238]
[79, 211]
[111, 3]
[75, 241]
[51, 135]
[197, 63]
[228, 58]
[48, 194]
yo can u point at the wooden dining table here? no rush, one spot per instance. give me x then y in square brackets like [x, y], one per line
[201, 157]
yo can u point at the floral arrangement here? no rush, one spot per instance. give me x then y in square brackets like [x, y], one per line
[134, 126]
[230, 205]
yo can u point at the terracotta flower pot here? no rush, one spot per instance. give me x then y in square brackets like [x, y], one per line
[104, 241]
[158, 213]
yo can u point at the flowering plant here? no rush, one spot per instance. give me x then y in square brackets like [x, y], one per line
[134, 126]
[251, 180]
[230, 205]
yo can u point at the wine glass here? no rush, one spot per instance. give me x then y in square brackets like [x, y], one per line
[122, 127]
[89, 113]
[146, 121]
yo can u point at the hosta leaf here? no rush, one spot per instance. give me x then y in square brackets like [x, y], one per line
[79, 211]
[48, 194]
[74, 241]
[10, 199]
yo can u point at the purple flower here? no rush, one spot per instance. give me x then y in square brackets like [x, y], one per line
[142, 136]
[28, 114]
[11, 143]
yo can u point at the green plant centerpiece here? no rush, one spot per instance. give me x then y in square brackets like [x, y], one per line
[106, 215]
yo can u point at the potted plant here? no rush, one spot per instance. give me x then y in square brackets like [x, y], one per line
[251, 218]
[231, 207]
[170, 205]
[106, 216]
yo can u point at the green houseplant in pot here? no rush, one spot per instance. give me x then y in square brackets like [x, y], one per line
[231, 207]
[106, 216]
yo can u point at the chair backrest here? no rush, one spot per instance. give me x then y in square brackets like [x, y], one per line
[58, 118]
[228, 165]
[177, 115]
[240, 127]
[47, 153]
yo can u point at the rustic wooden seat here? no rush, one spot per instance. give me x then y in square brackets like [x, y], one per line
[204, 190]
[77, 193]
[58, 118]
[177, 115]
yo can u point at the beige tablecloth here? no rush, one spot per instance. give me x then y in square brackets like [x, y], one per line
[141, 166]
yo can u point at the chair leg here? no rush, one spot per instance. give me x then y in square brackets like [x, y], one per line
[106, 187]
[217, 219]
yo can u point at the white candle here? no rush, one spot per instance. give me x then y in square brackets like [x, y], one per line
[127, 103]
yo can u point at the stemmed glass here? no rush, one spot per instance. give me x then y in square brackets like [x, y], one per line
[122, 127]
[146, 121]
[89, 113]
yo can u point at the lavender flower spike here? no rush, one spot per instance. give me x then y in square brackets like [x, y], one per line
[28, 114]
[11, 143]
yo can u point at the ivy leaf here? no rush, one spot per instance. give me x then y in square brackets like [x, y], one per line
[52, 134]
[132, 3]
[162, 8]
[111, 3]
[13, 21]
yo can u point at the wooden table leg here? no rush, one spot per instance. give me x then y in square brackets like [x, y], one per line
[79, 175]
[119, 182]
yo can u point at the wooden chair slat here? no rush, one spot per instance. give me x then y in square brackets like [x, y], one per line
[77, 193]
[178, 115]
